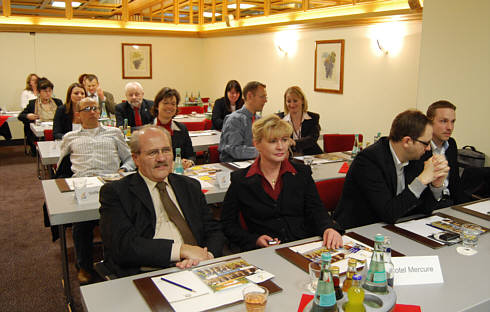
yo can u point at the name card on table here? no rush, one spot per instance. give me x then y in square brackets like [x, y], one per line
[417, 270]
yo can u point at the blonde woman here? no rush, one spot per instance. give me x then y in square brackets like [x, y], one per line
[305, 124]
[30, 92]
[278, 199]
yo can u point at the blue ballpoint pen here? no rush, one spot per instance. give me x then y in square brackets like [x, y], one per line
[176, 284]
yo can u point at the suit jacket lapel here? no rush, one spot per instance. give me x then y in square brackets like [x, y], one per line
[140, 190]
[390, 168]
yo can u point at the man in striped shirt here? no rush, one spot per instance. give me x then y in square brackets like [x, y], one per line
[94, 150]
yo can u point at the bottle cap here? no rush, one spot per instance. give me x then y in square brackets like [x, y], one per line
[379, 238]
[357, 277]
[352, 261]
[326, 256]
[334, 269]
[177, 150]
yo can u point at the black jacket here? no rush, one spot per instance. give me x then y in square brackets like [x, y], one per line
[298, 213]
[369, 193]
[310, 131]
[220, 111]
[30, 108]
[127, 222]
[181, 138]
[62, 123]
[124, 110]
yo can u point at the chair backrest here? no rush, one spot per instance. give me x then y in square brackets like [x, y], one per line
[195, 126]
[213, 154]
[185, 110]
[48, 135]
[330, 192]
[208, 124]
[339, 142]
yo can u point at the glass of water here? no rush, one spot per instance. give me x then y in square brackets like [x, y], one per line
[469, 238]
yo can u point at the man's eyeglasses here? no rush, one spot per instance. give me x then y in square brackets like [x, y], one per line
[155, 152]
[90, 108]
[425, 143]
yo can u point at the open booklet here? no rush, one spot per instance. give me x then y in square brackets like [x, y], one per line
[351, 249]
[209, 286]
[428, 230]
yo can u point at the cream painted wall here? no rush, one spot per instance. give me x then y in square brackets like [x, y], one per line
[454, 65]
[376, 86]
[63, 57]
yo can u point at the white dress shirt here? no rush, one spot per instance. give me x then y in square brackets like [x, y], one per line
[96, 151]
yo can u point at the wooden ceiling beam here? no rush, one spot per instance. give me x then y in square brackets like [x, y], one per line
[6, 8]
[68, 9]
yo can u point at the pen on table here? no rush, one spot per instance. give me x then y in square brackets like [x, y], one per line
[176, 284]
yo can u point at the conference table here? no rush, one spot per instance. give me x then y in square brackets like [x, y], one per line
[64, 210]
[466, 284]
[49, 151]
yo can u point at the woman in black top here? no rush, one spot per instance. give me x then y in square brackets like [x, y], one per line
[231, 102]
[67, 115]
[164, 110]
[306, 125]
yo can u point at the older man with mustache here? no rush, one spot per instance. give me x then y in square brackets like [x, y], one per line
[154, 218]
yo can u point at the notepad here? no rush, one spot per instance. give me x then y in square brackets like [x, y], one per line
[186, 278]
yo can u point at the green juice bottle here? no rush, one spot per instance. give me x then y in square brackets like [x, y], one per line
[324, 300]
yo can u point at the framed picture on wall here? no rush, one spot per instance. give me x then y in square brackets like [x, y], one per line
[136, 61]
[329, 66]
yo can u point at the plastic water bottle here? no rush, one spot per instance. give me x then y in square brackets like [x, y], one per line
[178, 168]
[103, 113]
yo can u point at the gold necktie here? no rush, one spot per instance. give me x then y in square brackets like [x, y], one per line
[175, 216]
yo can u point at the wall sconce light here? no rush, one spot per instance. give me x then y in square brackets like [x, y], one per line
[381, 47]
[286, 42]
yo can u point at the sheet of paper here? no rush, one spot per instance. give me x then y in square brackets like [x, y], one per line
[482, 207]
[204, 184]
[241, 164]
[417, 270]
[421, 228]
[175, 293]
[90, 182]
[47, 123]
[200, 133]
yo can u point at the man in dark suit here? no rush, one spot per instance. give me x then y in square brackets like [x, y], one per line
[154, 218]
[387, 181]
[443, 117]
[136, 109]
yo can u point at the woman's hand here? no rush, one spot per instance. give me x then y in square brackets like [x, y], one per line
[265, 241]
[32, 116]
[332, 239]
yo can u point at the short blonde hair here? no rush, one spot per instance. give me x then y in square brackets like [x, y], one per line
[269, 127]
[299, 93]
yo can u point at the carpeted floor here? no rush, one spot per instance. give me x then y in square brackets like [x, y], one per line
[31, 276]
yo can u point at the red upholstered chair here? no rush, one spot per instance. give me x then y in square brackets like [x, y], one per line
[330, 191]
[208, 124]
[339, 142]
[195, 126]
[186, 110]
[48, 135]
[213, 154]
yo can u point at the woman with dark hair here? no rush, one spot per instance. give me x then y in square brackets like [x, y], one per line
[306, 125]
[231, 102]
[164, 109]
[30, 92]
[66, 116]
[42, 108]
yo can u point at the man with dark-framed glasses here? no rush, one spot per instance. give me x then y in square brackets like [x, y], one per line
[388, 181]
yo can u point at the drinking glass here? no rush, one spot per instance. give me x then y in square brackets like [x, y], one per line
[255, 298]
[469, 239]
[314, 269]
